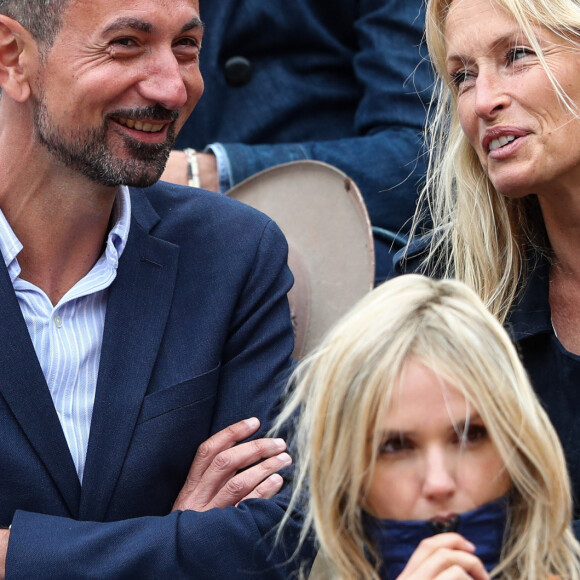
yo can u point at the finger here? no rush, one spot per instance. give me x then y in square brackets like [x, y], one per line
[227, 463]
[453, 573]
[429, 546]
[225, 466]
[217, 443]
[446, 563]
[267, 489]
[244, 483]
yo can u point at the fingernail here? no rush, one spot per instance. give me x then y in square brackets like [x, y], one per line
[470, 546]
[253, 422]
[276, 479]
[285, 458]
[280, 443]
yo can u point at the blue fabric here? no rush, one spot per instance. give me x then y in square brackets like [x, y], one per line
[554, 372]
[396, 541]
[197, 336]
[332, 81]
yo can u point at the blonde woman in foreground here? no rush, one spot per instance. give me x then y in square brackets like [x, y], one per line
[422, 451]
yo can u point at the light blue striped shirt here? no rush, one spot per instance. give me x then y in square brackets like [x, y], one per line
[68, 337]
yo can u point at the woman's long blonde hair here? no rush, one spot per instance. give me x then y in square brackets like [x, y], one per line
[480, 236]
[344, 388]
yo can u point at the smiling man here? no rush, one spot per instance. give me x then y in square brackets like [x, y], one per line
[145, 330]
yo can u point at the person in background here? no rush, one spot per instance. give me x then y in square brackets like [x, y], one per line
[422, 451]
[503, 187]
[341, 82]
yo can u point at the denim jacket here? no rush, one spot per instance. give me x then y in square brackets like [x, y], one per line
[340, 82]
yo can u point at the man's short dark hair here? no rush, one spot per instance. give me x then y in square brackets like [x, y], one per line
[42, 18]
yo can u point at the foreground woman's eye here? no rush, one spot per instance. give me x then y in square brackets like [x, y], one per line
[473, 434]
[395, 444]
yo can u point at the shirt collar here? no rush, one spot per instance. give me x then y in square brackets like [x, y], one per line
[10, 245]
[121, 219]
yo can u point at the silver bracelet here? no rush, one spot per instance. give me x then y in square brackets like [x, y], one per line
[193, 168]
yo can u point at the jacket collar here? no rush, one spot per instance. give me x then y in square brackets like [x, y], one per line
[137, 310]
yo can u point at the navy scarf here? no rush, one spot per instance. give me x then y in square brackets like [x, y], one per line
[395, 541]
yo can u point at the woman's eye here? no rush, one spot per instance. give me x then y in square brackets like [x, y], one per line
[460, 77]
[395, 445]
[517, 53]
[473, 434]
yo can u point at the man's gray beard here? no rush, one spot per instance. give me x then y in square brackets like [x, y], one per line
[88, 153]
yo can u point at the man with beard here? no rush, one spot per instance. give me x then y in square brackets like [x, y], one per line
[145, 329]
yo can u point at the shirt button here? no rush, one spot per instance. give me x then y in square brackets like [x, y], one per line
[58, 321]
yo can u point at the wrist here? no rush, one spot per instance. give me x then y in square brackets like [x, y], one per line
[208, 171]
[193, 179]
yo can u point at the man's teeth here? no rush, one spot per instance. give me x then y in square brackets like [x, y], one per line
[501, 141]
[140, 126]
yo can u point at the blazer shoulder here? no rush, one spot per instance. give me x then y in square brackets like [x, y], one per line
[178, 204]
[205, 224]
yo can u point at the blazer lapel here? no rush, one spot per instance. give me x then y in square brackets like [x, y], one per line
[137, 309]
[25, 391]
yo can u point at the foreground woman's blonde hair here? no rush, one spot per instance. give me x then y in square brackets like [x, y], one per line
[480, 236]
[345, 387]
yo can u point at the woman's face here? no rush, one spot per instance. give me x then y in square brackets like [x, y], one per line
[435, 458]
[526, 140]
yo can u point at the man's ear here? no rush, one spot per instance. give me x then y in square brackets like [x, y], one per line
[16, 46]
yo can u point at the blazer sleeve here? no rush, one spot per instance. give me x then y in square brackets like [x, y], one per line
[235, 542]
[384, 157]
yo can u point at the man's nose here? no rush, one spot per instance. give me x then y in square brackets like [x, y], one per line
[164, 83]
[490, 94]
[439, 481]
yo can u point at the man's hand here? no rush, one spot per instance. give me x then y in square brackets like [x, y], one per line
[177, 168]
[213, 480]
[444, 557]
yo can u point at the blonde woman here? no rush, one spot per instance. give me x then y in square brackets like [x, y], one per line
[416, 417]
[503, 188]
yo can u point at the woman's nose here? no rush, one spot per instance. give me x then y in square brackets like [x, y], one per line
[490, 95]
[439, 477]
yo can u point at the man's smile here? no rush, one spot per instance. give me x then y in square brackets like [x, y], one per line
[145, 126]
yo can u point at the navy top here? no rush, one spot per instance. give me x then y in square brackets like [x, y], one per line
[396, 541]
[554, 372]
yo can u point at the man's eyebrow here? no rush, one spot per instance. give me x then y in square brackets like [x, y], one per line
[193, 24]
[145, 26]
[129, 22]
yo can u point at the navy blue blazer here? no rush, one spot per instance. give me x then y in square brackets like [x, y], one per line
[197, 336]
[342, 82]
